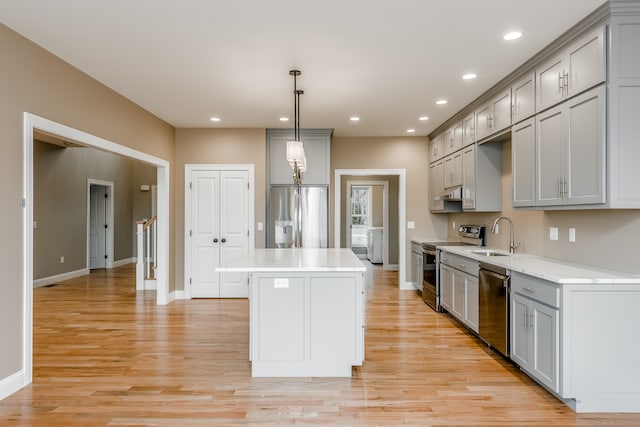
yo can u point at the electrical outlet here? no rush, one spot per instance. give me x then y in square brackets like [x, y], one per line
[61, 260]
[411, 225]
[260, 226]
[35, 225]
[572, 234]
[553, 233]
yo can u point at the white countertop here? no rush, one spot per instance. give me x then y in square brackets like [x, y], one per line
[294, 260]
[545, 268]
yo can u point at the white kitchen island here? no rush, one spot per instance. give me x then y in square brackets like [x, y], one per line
[306, 311]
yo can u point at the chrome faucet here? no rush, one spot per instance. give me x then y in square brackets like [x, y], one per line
[494, 229]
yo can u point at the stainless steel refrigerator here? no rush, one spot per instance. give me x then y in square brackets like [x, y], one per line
[298, 214]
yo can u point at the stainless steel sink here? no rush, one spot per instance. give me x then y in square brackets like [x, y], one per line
[488, 252]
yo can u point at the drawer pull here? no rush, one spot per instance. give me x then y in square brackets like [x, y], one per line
[531, 291]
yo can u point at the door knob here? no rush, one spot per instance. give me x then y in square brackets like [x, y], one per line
[223, 240]
[215, 240]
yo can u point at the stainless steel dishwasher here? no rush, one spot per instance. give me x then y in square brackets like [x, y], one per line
[493, 324]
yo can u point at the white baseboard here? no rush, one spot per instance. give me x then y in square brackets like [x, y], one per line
[407, 286]
[60, 277]
[150, 285]
[391, 267]
[125, 261]
[181, 294]
[11, 384]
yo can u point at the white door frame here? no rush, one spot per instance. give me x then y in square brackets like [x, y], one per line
[188, 169]
[31, 122]
[110, 209]
[385, 215]
[402, 214]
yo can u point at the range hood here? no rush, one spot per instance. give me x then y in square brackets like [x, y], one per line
[450, 194]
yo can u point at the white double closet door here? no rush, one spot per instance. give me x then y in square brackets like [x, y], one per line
[219, 229]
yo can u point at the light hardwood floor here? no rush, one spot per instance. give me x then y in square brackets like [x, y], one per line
[107, 355]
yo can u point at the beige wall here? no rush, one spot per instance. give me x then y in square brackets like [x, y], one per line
[218, 146]
[607, 239]
[377, 206]
[409, 153]
[32, 80]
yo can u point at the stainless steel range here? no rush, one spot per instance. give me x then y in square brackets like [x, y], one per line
[468, 235]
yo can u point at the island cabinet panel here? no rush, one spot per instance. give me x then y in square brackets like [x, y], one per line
[306, 324]
[332, 321]
[280, 315]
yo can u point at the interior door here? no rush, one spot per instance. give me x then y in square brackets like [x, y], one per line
[234, 229]
[97, 226]
[219, 230]
[205, 234]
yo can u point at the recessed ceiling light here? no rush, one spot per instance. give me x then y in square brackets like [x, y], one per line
[215, 119]
[469, 76]
[513, 35]
[411, 130]
[441, 101]
[355, 119]
[423, 118]
[284, 119]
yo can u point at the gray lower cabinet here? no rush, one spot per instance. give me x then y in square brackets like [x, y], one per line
[570, 151]
[459, 291]
[535, 330]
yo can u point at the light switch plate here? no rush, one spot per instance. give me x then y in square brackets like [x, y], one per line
[553, 233]
[260, 226]
[572, 234]
[411, 225]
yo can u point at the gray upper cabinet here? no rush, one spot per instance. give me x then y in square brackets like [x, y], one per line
[317, 145]
[436, 146]
[523, 98]
[453, 139]
[570, 151]
[501, 106]
[468, 130]
[578, 67]
[523, 162]
[436, 180]
[493, 116]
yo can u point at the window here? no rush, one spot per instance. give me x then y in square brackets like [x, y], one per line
[360, 215]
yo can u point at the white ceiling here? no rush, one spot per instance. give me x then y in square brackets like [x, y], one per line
[386, 61]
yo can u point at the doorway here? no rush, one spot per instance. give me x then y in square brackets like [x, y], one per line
[401, 213]
[367, 215]
[100, 208]
[33, 123]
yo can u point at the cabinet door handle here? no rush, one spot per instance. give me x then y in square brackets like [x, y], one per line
[526, 317]
[215, 240]
[223, 240]
[566, 83]
[560, 85]
[532, 320]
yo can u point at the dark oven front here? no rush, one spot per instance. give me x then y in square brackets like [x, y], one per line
[429, 277]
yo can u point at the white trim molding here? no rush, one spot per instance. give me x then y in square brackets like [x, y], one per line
[125, 261]
[12, 383]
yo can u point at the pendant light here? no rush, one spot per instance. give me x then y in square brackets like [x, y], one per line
[295, 149]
